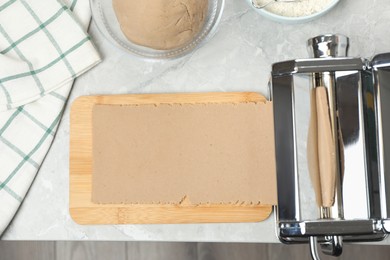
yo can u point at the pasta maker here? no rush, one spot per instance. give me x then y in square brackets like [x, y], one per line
[332, 142]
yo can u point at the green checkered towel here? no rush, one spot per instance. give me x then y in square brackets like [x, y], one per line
[43, 48]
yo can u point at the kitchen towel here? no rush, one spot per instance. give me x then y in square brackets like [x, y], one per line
[43, 48]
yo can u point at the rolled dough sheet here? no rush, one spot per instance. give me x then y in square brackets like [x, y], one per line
[206, 153]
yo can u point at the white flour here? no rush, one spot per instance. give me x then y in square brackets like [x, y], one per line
[302, 8]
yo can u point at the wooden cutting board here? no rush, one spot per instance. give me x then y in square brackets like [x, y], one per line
[83, 211]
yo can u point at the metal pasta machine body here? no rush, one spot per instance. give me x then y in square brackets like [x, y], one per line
[332, 141]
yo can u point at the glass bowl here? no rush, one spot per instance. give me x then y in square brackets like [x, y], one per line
[105, 19]
[294, 20]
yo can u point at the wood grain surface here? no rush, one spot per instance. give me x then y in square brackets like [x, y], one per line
[83, 211]
[326, 148]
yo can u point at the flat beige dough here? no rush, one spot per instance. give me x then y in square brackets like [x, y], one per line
[208, 153]
[321, 150]
[160, 24]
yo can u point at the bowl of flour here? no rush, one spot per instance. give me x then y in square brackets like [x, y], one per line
[294, 12]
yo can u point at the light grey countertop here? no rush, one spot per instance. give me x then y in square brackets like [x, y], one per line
[238, 58]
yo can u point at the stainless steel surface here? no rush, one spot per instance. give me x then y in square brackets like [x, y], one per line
[381, 74]
[358, 95]
[313, 248]
[317, 65]
[285, 148]
[386, 225]
[328, 45]
[355, 199]
[327, 227]
[303, 124]
[333, 246]
[256, 5]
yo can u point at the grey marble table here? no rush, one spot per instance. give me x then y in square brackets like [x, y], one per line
[238, 58]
